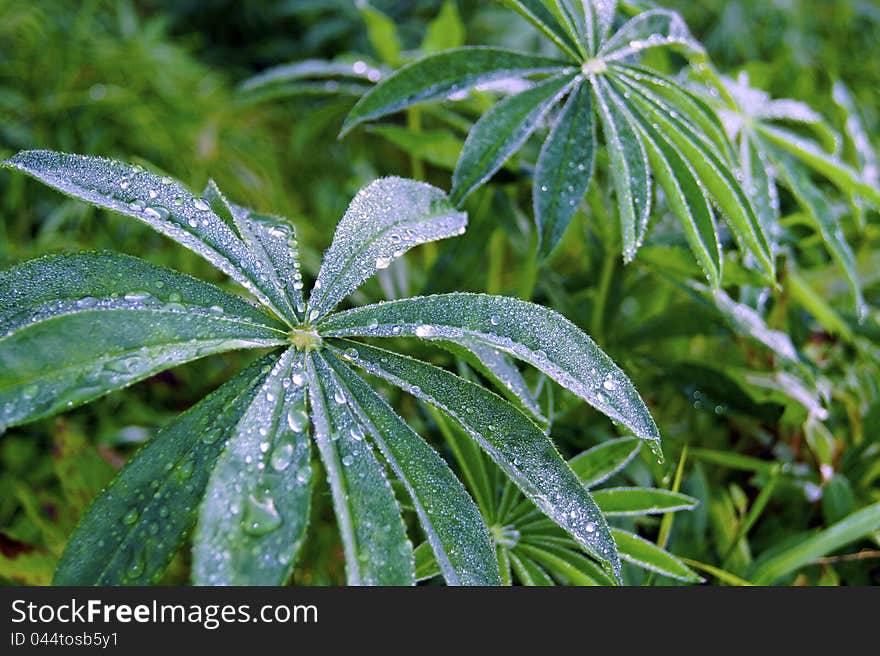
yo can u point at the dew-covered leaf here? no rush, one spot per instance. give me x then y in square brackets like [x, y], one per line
[501, 131]
[516, 445]
[622, 501]
[529, 572]
[630, 169]
[656, 28]
[858, 135]
[160, 202]
[74, 327]
[686, 197]
[256, 507]
[600, 463]
[831, 166]
[498, 368]
[564, 169]
[273, 241]
[760, 185]
[309, 69]
[822, 215]
[452, 523]
[715, 175]
[384, 220]
[534, 334]
[599, 18]
[438, 76]
[647, 555]
[565, 563]
[537, 13]
[137, 524]
[377, 551]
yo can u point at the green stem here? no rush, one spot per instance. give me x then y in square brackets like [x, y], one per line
[414, 124]
[606, 277]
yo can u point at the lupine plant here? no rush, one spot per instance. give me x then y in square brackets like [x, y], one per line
[236, 468]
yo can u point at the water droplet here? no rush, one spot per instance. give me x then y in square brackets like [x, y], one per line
[282, 456]
[297, 419]
[609, 384]
[201, 205]
[356, 432]
[347, 460]
[424, 330]
[339, 395]
[590, 527]
[137, 296]
[383, 262]
[298, 379]
[494, 319]
[130, 517]
[260, 516]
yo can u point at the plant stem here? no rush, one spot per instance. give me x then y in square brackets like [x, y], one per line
[609, 265]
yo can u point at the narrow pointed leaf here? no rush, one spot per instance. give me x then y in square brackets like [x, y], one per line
[564, 169]
[497, 367]
[256, 508]
[599, 17]
[858, 135]
[453, 524]
[832, 167]
[565, 563]
[629, 168]
[438, 76]
[537, 335]
[541, 17]
[160, 202]
[426, 564]
[517, 446]
[622, 501]
[686, 197]
[377, 551]
[501, 131]
[656, 28]
[133, 529]
[857, 526]
[309, 69]
[819, 210]
[570, 15]
[647, 555]
[717, 178]
[74, 327]
[529, 572]
[760, 185]
[384, 220]
[600, 463]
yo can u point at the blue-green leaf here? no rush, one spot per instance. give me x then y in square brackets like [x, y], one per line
[621, 501]
[657, 28]
[600, 463]
[647, 555]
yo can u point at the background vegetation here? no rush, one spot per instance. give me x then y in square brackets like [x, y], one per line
[773, 452]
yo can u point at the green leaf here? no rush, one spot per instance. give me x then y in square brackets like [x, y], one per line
[622, 501]
[717, 178]
[830, 166]
[497, 367]
[517, 446]
[855, 527]
[283, 74]
[630, 170]
[600, 463]
[75, 327]
[256, 507]
[857, 135]
[377, 551]
[426, 564]
[384, 220]
[537, 335]
[437, 76]
[760, 185]
[453, 524]
[565, 563]
[818, 208]
[160, 202]
[657, 28]
[529, 572]
[564, 169]
[382, 32]
[599, 18]
[134, 528]
[649, 556]
[446, 31]
[686, 197]
[438, 147]
[501, 131]
[538, 15]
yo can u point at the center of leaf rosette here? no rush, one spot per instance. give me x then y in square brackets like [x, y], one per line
[305, 339]
[594, 66]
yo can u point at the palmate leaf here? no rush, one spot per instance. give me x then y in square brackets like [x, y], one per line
[526, 331]
[377, 551]
[160, 202]
[688, 149]
[256, 506]
[385, 219]
[74, 327]
[522, 451]
[134, 528]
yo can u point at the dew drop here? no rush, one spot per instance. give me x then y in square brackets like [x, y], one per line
[494, 319]
[260, 516]
[297, 419]
[130, 517]
[356, 432]
[201, 205]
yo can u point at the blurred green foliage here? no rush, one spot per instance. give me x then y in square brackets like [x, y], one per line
[157, 82]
